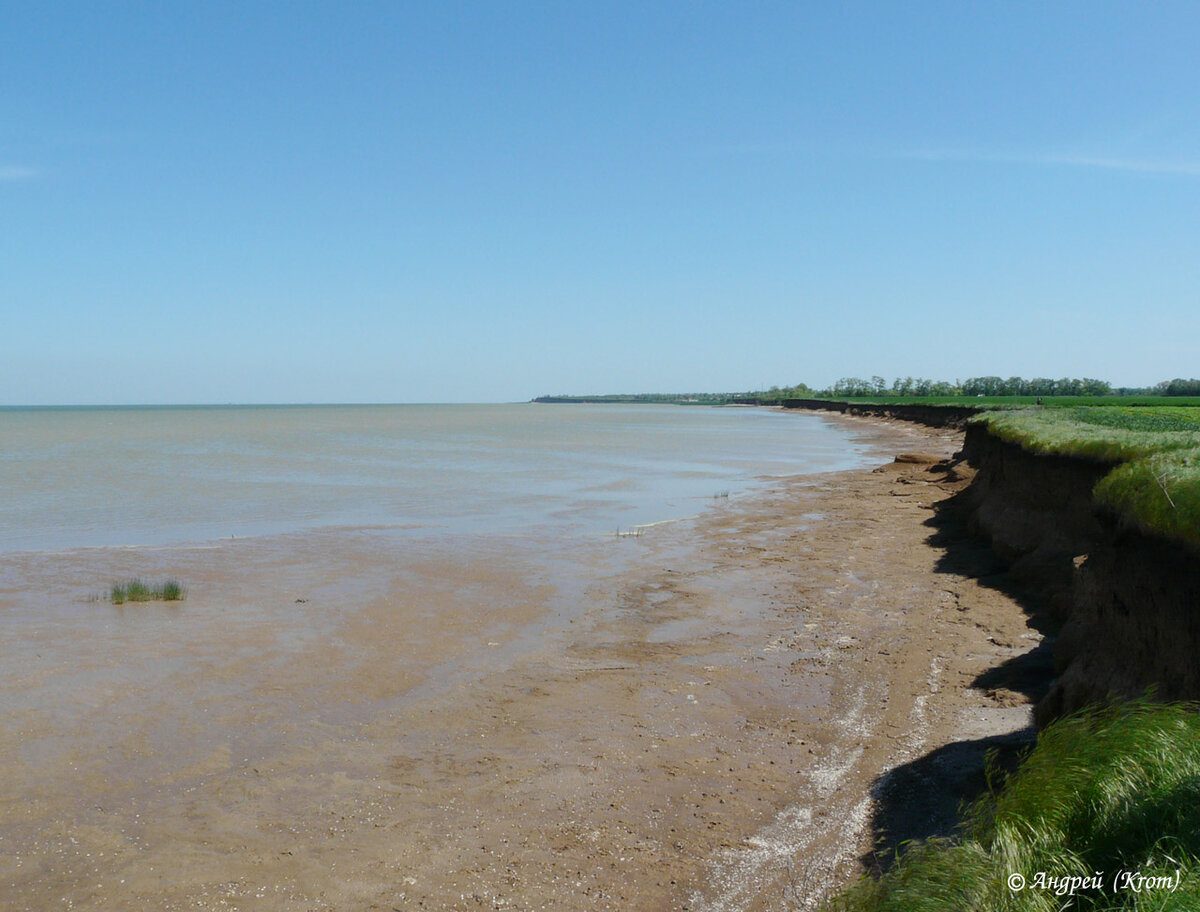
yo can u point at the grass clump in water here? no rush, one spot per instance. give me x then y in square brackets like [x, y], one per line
[1106, 797]
[135, 590]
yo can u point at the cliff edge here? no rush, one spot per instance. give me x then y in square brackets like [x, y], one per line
[1126, 601]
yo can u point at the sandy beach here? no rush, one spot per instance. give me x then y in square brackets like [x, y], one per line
[724, 713]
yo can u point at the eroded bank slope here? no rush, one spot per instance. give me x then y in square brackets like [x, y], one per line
[1127, 600]
[1123, 598]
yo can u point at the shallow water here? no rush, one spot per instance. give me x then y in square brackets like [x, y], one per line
[364, 583]
[154, 476]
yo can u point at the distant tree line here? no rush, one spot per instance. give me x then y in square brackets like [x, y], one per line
[972, 386]
[1178, 387]
[849, 387]
[996, 386]
[1038, 386]
[779, 393]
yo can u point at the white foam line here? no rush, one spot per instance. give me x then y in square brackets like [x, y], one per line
[661, 522]
[745, 872]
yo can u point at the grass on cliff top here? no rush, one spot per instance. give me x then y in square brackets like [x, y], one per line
[135, 590]
[1159, 494]
[1155, 485]
[1112, 790]
[1104, 434]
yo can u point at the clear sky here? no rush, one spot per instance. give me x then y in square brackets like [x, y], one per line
[428, 201]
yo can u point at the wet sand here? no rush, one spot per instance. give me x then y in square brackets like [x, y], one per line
[690, 719]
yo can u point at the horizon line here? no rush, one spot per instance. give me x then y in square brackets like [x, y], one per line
[200, 405]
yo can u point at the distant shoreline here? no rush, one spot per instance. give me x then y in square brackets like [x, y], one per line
[649, 399]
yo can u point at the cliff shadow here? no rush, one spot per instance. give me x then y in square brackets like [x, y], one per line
[925, 798]
[1037, 588]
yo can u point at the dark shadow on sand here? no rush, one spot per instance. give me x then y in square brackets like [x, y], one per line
[925, 798]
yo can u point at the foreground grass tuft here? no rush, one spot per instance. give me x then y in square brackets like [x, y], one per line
[1110, 792]
[135, 590]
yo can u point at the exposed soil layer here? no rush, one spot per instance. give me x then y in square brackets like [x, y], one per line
[1123, 603]
[1134, 625]
[1037, 511]
[937, 416]
[1126, 600]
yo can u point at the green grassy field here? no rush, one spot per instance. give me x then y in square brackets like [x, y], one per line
[1110, 798]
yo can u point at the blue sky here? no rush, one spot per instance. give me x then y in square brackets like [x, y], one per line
[320, 202]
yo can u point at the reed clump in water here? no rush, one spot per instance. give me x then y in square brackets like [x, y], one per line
[135, 590]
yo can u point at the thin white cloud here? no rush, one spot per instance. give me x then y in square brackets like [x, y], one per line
[1137, 165]
[1144, 166]
[10, 173]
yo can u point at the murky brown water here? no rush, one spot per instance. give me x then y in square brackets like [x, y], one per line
[154, 476]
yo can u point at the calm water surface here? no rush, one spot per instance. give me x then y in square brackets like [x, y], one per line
[152, 476]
